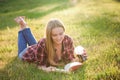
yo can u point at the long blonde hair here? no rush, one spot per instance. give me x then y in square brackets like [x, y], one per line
[53, 23]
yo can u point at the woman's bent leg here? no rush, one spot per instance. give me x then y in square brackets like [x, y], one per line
[22, 44]
[30, 39]
[22, 53]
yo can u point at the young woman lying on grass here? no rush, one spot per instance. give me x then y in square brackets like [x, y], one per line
[56, 49]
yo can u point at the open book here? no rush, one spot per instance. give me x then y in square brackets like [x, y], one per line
[70, 67]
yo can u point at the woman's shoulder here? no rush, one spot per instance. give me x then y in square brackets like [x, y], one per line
[42, 41]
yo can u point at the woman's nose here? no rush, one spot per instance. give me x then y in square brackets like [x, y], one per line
[58, 37]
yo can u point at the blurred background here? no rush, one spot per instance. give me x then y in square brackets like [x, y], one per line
[94, 24]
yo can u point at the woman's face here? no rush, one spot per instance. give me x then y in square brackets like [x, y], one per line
[57, 35]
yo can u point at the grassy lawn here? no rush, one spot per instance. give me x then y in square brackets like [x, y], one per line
[94, 24]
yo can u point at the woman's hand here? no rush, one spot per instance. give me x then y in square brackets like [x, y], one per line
[76, 59]
[47, 69]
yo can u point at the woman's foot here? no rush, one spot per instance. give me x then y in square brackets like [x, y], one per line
[20, 20]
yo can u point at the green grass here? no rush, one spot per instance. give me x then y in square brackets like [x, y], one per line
[94, 24]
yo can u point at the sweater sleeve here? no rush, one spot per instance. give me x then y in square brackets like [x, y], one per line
[36, 53]
[42, 55]
[30, 54]
[68, 49]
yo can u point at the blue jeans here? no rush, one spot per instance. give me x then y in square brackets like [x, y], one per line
[25, 37]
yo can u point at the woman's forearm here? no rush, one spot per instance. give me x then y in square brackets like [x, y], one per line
[47, 69]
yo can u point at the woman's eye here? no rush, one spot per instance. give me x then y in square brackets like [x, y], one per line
[54, 35]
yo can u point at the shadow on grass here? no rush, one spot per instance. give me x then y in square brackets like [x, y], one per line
[11, 9]
[18, 70]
